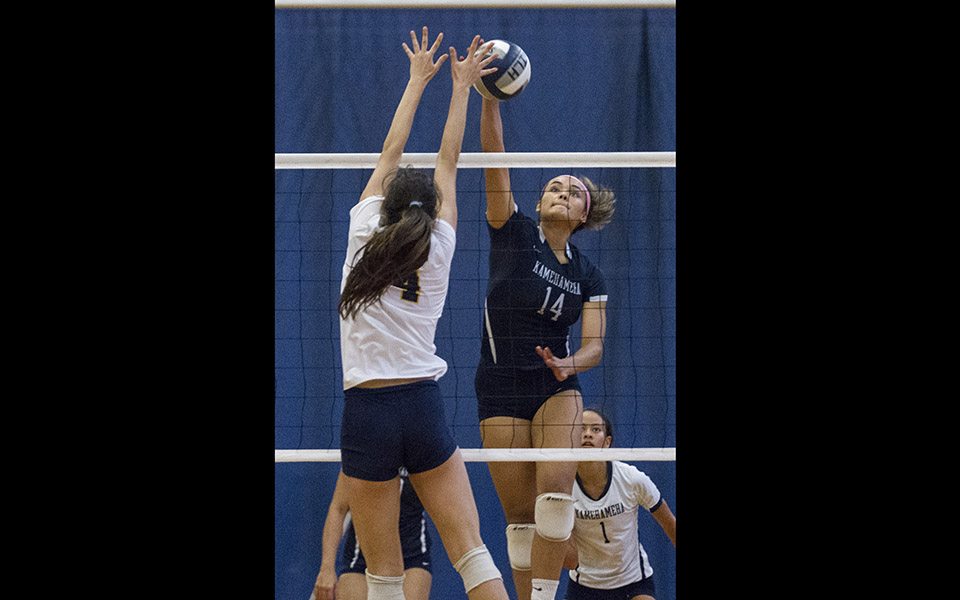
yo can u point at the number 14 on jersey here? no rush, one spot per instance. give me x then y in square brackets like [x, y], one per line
[557, 307]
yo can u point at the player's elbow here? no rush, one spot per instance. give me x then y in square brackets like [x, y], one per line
[596, 345]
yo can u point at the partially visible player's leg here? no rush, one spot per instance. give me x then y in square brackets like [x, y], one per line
[515, 483]
[439, 476]
[557, 424]
[352, 586]
[375, 509]
[417, 584]
[448, 498]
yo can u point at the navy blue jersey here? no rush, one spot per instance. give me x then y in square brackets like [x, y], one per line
[532, 299]
[414, 539]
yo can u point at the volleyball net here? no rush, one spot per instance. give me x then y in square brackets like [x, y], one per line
[635, 383]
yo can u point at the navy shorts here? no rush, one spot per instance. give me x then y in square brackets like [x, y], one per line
[398, 426]
[575, 591]
[517, 392]
[351, 560]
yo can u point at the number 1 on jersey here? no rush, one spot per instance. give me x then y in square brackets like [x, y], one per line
[557, 307]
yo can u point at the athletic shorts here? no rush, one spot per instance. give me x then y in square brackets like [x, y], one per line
[576, 591]
[351, 560]
[387, 428]
[516, 392]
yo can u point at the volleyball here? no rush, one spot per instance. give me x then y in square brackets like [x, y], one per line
[512, 75]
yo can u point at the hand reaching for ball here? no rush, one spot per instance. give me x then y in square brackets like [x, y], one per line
[468, 69]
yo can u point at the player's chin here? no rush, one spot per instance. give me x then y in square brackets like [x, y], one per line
[556, 212]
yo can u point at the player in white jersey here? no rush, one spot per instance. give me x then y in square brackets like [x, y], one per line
[401, 242]
[611, 564]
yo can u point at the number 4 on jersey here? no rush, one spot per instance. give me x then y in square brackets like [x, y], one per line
[411, 288]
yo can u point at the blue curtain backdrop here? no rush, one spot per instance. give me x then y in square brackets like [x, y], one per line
[602, 81]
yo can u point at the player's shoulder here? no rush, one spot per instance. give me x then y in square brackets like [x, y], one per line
[628, 472]
[368, 203]
[584, 264]
[518, 230]
[444, 231]
[519, 222]
[365, 216]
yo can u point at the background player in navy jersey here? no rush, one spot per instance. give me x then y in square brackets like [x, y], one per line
[341, 576]
[527, 389]
[606, 558]
[395, 277]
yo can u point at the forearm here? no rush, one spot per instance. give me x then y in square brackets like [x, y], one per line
[584, 359]
[402, 122]
[668, 522]
[332, 532]
[491, 127]
[452, 140]
[499, 198]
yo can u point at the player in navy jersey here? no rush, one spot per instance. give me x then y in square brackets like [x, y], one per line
[399, 248]
[605, 556]
[341, 575]
[528, 393]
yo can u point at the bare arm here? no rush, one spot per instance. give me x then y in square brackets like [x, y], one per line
[324, 587]
[422, 70]
[592, 331]
[464, 73]
[500, 202]
[667, 521]
[571, 560]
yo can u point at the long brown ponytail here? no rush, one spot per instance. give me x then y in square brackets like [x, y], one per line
[396, 251]
[602, 206]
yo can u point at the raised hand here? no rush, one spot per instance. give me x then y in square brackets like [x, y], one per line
[422, 67]
[470, 68]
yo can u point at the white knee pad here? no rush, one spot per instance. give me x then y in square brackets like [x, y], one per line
[519, 543]
[475, 567]
[554, 516]
[381, 587]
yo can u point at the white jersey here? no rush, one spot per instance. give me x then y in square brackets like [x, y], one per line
[605, 529]
[393, 338]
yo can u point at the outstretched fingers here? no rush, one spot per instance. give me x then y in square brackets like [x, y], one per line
[413, 38]
[421, 53]
[470, 68]
[473, 45]
[487, 59]
[439, 63]
[436, 43]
